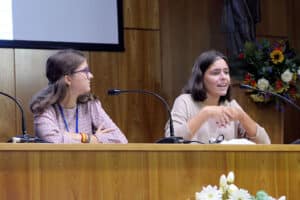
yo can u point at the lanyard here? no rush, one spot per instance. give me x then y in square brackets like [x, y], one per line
[65, 121]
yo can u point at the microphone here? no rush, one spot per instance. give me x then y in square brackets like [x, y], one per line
[244, 86]
[285, 99]
[172, 138]
[24, 138]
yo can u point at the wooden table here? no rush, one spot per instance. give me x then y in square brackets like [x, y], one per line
[143, 171]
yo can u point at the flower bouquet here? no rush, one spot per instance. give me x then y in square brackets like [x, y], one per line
[272, 67]
[229, 191]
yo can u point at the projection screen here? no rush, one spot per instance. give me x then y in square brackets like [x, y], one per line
[56, 24]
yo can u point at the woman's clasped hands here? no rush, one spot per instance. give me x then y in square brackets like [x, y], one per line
[224, 115]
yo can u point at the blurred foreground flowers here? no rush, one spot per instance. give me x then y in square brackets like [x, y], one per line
[229, 191]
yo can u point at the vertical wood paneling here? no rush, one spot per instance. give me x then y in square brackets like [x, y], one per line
[187, 29]
[30, 78]
[141, 14]
[275, 17]
[141, 117]
[292, 115]
[162, 40]
[7, 106]
[294, 24]
[191, 27]
[265, 115]
[143, 171]
[280, 21]
[142, 60]
[291, 123]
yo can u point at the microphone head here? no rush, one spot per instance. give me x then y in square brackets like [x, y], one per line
[244, 86]
[113, 92]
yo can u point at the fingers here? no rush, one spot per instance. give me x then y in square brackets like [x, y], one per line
[107, 130]
[232, 113]
[101, 126]
[101, 129]
[224, 115]
[223, 119]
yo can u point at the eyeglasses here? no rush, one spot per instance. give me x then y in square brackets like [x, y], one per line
[85, 70]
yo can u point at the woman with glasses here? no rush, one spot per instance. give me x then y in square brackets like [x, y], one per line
[204, 111]
[65, 111]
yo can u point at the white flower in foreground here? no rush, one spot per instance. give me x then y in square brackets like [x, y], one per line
[287, 76]
[223, 183]
[263, 84]
[209, 193]
[230, 177]
[282, 198]
[240, 194]
[232, 188]
[298, 71]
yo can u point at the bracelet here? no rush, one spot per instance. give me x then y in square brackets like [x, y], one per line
[88, 138]
[85, 138]
[82, 137]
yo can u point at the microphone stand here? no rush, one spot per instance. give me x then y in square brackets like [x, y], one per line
[244, 86]
[24, 137]
[172, 138]
[285, 99]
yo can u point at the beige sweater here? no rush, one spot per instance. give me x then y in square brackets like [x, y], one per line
[185, 108]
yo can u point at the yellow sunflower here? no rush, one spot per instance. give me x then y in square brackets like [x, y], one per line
[277, 56]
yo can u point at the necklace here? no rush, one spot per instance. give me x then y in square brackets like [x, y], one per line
[218, 135]
[64, 119]
[218, 139]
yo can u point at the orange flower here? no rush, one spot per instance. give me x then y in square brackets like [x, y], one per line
[253, 83]
[247, 78]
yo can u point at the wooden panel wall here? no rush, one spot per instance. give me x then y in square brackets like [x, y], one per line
[30, 78]
[141, 117]
[188, 27]
[162, 40]
[7, 106]
[265, 115]
[292, 116]
[143, 171]
[294, 21]
[280, 21]
[275, 17]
